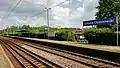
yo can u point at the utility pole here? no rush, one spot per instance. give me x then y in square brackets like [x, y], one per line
[47, 16]
[17, 28]
[47, 13]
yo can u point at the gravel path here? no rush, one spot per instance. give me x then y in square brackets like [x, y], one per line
[56, 59]
[84, 60]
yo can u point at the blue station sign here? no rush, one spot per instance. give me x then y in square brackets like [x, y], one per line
[111, 20]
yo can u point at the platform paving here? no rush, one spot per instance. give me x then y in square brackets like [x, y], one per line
[4, 60]
[109, 48]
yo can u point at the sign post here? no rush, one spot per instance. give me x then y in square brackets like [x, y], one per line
[117, 30]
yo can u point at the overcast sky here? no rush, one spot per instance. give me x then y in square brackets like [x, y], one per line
[70, 14]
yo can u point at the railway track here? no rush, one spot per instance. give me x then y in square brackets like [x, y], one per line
[26, 59]
[12, 46]
[83, 61]
[94, 62]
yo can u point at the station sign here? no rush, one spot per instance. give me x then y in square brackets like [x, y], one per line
[111, 20]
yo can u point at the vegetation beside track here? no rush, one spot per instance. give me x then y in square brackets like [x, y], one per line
[101, 36]
[63, 34]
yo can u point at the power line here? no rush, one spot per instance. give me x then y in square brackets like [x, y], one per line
[2, 18]
[60, 3]
[14, 8]
[11, 9]
[7, 11]
[38, 13]
[47, 14]
[49, 8]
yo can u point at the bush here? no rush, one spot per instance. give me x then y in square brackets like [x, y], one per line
[66, 35]
[100, 36]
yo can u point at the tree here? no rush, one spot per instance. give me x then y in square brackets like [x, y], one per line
[116, 6]
[12, 30]
[25, 27]
[107, 8]
[67, 35]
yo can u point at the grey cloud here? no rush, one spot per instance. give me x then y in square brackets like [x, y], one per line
[27, 8]
[89, 7]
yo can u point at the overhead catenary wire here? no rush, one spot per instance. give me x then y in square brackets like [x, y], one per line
[14, 8]
[19, 1]
[6, 16]
[38, 13]
[60, 4]
[50, 7]
[7, 11]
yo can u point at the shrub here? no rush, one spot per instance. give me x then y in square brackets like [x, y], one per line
[66, 35]
[100, 36]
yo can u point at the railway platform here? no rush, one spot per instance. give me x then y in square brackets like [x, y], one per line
[111, 53]
[115, 49]
[4, 60]
[27, 53]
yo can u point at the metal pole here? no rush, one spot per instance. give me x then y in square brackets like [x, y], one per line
[48, 20]
[4, 32]
[117, 29]
[18, 30]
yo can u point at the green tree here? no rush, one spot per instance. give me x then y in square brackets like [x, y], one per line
[107, 8]
[25, 27]
[11, 30]
[67, 35]
[116, 7]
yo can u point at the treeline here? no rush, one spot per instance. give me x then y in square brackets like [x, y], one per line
[63, 34]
